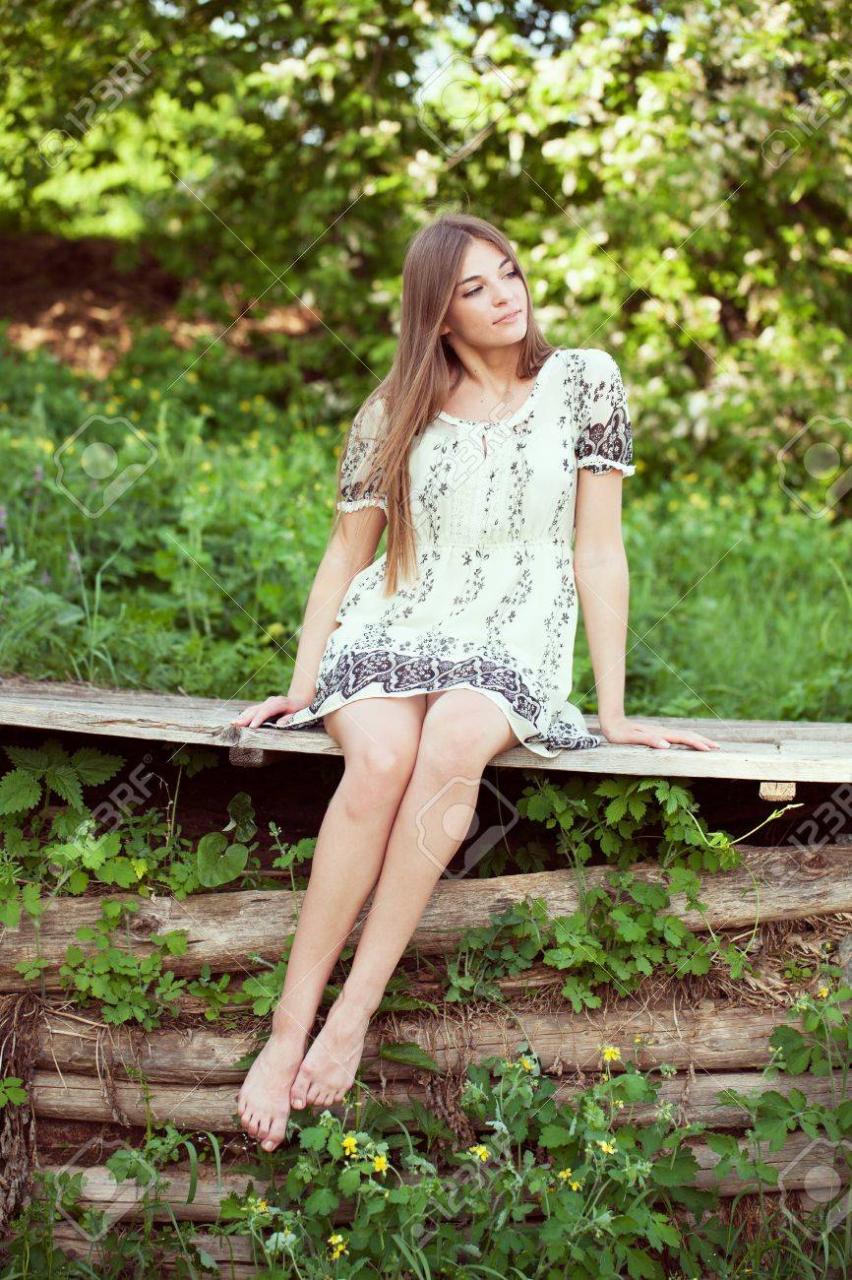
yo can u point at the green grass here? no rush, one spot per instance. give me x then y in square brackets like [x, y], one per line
[196, 578]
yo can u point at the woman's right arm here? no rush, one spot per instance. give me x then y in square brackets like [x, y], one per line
[351, 548]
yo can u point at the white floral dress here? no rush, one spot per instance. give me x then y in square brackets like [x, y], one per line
[495, 606]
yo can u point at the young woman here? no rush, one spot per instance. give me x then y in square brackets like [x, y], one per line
[478, 451]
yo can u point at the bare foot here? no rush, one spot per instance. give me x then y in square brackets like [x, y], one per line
[263, 1102]
[330, 1064]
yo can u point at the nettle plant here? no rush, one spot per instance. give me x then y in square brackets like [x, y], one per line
[629, 820]
[624, 928]
[54, 843]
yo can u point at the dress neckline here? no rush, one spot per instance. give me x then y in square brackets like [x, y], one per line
[516, 414]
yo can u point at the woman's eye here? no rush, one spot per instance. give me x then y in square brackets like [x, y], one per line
[513, 272]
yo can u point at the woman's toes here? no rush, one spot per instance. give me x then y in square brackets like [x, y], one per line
[276, 1133]
[313, 1095]
[299, 1089]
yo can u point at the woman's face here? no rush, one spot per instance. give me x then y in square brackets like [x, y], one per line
[489, 303]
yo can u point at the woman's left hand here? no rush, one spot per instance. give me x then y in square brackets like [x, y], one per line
[624, 730]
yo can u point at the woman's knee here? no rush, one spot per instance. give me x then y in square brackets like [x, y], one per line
[454, 742]
[378, 771]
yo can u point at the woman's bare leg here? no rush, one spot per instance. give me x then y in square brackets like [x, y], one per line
[462, 731]
[379, 737]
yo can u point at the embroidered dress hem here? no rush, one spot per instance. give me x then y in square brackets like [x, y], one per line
[373, 674]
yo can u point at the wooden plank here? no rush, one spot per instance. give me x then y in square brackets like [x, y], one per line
[225, 928]
[762, 750]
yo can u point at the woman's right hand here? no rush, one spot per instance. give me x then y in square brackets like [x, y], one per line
[277, 705]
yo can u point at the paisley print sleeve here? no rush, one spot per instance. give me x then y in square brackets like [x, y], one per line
[360, 481]
[604, 436]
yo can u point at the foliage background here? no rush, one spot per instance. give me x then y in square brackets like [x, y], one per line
[676, 181]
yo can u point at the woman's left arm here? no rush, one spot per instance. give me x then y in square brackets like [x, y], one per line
[602, 580]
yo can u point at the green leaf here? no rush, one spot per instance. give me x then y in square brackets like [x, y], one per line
[94, 767]
[553, 1135]
[410, 1054]
[218, 862]
[313, 1139]
[18, 791]
[642, 1266]
[63, 780]
[349, 1180]
[31, 900]
[322, 1202]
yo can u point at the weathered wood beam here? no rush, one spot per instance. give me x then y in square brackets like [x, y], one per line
[717, 1036]
[759, 749]
[213, 1107]
[225, 929]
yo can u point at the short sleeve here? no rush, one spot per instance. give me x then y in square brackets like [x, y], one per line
[605, 436]
[360, 481]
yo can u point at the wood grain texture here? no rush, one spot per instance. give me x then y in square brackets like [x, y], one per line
[717, 1036]
[775, 751]
[213, 1107]
[225, 930]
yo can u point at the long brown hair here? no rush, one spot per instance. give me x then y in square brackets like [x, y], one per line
[426, 369]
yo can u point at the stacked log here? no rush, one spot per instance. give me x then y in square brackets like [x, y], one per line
[97, 1076]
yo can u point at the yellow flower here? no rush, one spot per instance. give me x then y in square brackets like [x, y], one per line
[611, 1053]
[527, 1064]
[479, 1150]
[136, 382]
[565, 1173]
[608, 1147]
[823, 992]
[350, 1144]
[619, 1102]
[192, 376]
[338, 1246]
[638, 1039]
[575, 1185]
[245, 405]
[380, 1163]
[154, 393]
[262, 1206]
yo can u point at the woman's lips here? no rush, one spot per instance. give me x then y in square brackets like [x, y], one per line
[505, 319]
